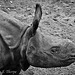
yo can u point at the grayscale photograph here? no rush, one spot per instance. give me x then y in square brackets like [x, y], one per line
[37, 37]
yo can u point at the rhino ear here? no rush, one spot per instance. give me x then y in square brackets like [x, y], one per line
[37, 17]
[38, 12]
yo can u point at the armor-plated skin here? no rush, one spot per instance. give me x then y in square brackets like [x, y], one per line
[32, 48]
[10, 49]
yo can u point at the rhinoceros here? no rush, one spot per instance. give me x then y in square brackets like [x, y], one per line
[28, 46]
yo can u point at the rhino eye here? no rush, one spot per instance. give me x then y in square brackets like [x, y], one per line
[31, 48]
[55, 49]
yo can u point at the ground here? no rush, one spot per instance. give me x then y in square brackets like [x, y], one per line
[58, 20]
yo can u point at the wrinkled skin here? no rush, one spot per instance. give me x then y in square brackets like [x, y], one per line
[33, 48]
[11, 61]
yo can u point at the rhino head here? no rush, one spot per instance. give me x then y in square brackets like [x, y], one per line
[39, 51]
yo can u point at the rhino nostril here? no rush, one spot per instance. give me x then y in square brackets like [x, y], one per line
[72, 55]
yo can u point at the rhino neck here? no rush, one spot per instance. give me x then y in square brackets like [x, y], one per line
[16, 51]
